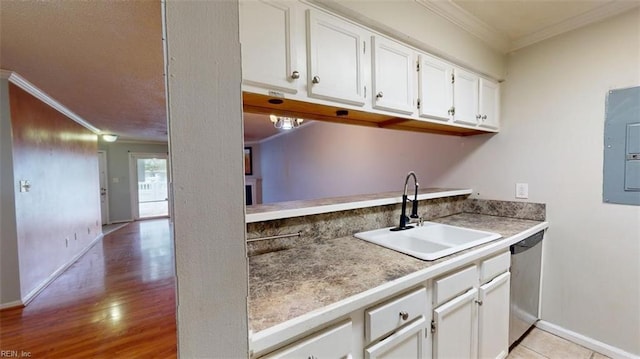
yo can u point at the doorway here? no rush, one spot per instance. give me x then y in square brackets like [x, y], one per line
[104, 182]
[149, 185]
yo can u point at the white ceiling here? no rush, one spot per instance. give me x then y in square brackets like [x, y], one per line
[103, 60]
[508, 25]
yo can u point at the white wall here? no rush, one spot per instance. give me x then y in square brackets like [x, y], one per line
[322, 159]
[413, 23]
[552, 138]
[118, 167]
[9, 273]
[205, 139]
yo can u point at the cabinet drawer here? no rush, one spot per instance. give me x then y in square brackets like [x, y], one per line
[495, 266]
[331, 343]
[450, 286]
[386, 317]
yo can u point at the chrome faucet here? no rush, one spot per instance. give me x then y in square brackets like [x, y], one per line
[414, 208]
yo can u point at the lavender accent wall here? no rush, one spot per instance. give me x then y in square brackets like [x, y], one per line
[323, 159]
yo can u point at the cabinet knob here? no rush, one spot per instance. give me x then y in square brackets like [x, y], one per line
[452, 111]
[404, 315]
[295, 75]
[479, 302]
[484, 117]
[316, 79]
[380, 94]
[478, 117]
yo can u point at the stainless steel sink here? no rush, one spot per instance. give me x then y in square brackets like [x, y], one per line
[429, 241]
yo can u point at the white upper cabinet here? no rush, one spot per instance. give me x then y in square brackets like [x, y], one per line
[489, 104]
[465, 97]
[268, 47]
[435, 88]
[393, 76]
[335, 55]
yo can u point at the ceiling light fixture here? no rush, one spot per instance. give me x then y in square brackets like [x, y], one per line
[285, 123]
[110, 138]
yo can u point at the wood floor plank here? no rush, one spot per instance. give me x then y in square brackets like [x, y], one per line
[117, 301]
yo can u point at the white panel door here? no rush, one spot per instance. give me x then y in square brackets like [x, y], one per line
[493, 318]
[465, 97]
[393, 74]
[489, 104]
[268, 47]
[335, 56]
[456, 327]
[104, 187]
[435, 88]
[406, 343]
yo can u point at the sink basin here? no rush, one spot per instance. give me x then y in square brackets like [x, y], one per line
[429, 242]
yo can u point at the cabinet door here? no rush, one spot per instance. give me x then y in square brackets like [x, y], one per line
[456, 327]
[493, 318]
[335, 59]
[465, 97]
[435, 88]
[489, 104]
[406, 343]
[393, 74]
[332, 343]
[268, 47]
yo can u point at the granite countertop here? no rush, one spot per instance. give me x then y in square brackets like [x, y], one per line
[268, 211]
[286, 284]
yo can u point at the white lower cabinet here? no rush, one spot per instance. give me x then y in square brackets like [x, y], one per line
[493, 318]
[475, 323]
[463, 314]
[331, 343]
[408, 342]
[456, 332]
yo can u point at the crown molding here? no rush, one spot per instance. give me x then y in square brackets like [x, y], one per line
[598, 14]
[468, 22]
[27, 86]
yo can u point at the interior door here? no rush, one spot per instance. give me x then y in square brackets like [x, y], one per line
[150, 185]
[104, 191]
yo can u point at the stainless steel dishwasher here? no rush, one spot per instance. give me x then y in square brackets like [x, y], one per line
[526, 257]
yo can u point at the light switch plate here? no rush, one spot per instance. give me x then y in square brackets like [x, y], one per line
[522, 190]
[24, 186]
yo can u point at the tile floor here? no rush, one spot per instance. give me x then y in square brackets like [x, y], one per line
[539, 344]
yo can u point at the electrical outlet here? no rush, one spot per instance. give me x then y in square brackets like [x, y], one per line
[522, 190]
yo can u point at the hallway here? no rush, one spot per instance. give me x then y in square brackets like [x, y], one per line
[117, 301]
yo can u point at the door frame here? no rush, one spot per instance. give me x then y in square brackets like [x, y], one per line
[103, 153]
[133, 182]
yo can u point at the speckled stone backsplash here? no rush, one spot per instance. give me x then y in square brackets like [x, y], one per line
[322, 227]
[521, 210]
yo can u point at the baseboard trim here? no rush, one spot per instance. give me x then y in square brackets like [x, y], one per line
[585, 341]
[121, 221]
[11, 305]
[31, 295]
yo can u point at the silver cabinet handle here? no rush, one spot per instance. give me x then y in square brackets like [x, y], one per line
[316, 79]
[404, 315]
[295, 75]
[380, 94]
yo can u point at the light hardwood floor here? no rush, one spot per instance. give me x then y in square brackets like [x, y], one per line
[117, 301]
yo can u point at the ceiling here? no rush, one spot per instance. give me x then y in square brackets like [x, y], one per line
[103, 60]
[510, 25]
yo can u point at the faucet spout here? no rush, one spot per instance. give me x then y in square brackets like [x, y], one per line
[414, 205]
